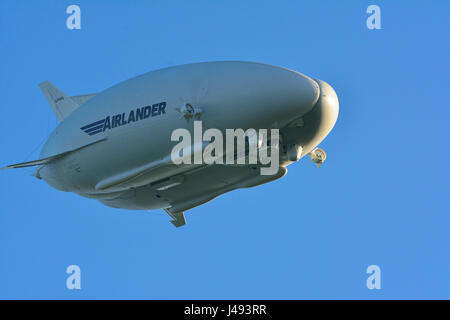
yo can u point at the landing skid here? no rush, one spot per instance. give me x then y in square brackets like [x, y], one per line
[178, 218]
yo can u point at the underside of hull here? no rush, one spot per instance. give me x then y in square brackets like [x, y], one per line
[196, 188]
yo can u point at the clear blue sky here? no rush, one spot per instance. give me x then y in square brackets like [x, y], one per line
[382, 197]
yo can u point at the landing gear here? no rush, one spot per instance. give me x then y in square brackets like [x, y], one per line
[178, 218]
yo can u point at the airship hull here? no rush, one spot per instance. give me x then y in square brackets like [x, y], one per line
[116, 146]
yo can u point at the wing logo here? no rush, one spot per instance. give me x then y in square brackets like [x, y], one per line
[125, 118]
[94, 128]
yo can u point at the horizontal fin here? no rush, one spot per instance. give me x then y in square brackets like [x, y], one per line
[30, 163]
[49, 159]
[83, 98]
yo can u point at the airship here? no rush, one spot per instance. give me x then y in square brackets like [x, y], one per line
[115, 146]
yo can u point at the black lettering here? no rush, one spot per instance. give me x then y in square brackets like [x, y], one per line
[147, 112]
[118, 123]
[131, 116]
[107, 124]
[162, 107]
[155, 110]
[113, 122]
[139, 114]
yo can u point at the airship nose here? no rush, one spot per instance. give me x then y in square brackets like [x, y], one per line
[324, 114]
[328, 105]
[319, 121]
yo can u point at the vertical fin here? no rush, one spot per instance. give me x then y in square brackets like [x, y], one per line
[178, 218]
[61, 104]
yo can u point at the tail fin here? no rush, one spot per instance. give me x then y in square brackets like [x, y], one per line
[51, 158]
[31, 163]
[61, 104]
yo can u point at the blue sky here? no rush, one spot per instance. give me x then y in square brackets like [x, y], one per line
[381, 197]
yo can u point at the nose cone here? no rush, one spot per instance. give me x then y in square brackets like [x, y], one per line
[318, 122]
[322, 118]
[327, 107]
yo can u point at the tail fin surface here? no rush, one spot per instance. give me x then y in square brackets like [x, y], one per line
[61, 104]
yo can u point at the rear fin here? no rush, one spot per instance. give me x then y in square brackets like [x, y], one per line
[31, 163]
[178, 218]
[83, 98]
[51, 158]
[61, 104]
